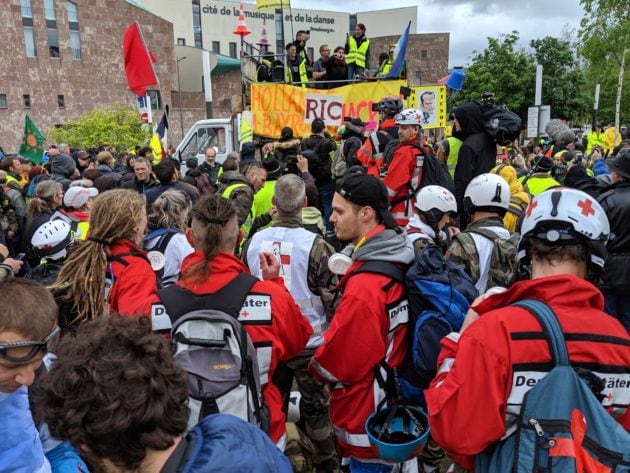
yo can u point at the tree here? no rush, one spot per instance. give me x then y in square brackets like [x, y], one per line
[604, 33]
[509, 73]
[564, 83]
[115, 124]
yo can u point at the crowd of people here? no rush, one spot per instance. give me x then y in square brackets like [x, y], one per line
[154, 321]
[337, 65]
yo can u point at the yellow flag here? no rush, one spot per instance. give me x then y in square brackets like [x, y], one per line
[156, 146]
[246, 132]
[272, 4]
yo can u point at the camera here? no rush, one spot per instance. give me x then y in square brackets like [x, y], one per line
[376, 107]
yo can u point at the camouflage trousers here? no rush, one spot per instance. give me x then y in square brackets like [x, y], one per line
[314, 410]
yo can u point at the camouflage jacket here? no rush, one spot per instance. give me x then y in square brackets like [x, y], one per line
[463, 251]
[8, 217]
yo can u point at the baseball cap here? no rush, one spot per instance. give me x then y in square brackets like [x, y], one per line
[76, 197]
[368, 191]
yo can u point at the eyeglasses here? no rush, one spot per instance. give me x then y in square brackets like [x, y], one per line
[20, 352]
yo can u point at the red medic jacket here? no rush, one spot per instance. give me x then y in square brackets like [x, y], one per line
[280, 340]
[405, 170]
[477, 395]
[135, 285]
[369, 325]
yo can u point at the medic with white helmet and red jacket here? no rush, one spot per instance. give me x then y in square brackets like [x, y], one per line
[404, 173]
[370, 322]
[501, 351]
[435, 206]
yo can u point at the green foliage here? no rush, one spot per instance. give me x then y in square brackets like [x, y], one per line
[564, 83]
[115, 124]
[604, 36]
[502, 69]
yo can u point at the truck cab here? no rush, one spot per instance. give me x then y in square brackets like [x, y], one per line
[213, 132]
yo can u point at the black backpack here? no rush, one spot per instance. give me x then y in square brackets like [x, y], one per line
[504, 126]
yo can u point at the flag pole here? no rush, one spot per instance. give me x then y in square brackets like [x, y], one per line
[144, 43]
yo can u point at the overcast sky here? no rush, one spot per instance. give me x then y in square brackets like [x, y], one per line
[471, 22]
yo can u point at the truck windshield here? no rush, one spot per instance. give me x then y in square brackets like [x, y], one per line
[203, 139]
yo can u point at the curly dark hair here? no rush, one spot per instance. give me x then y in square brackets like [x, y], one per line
[115, 391]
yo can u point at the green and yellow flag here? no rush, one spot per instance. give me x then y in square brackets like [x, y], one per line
[272, 4]
[32, 143]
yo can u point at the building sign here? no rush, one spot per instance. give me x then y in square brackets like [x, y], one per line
[272, 4]
[275, 106]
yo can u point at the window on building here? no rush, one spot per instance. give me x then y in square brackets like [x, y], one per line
[216, 47]
[353, 23]
[49, 10]
[418, 75]
[156, 99]
[73, 24]
[232, 49]
[196, 8]
[279, 28]
[181, 41]
[29, 41]
[27, 100]
[249, 48]
[29, 31]
[3, 100]
[53, 42]
[61, 101]
[424, 54]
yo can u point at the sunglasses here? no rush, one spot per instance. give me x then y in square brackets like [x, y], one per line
[20, 352]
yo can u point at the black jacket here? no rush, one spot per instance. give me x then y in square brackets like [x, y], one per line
[615, 201]
[140, 187]
[478, 153]
[323, 147]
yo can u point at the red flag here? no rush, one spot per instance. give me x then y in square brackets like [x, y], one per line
[138, 61]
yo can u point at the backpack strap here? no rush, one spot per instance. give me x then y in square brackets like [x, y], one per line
[551, 328]
[488, 234]
[385, 268]
[229, 299]
[121, 257]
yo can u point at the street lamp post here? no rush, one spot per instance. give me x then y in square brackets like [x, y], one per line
[179, 92]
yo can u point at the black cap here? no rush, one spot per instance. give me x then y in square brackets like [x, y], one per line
[367, 191]
[543, 164]
[621, 163]
[272, 166]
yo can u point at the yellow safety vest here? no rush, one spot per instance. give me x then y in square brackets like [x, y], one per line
[263, 200]
[247, 225]
[302, 71]
[357, 54]
[453, 153]
[10, 179]
[594, 139]
[386, 67]
[538, 184]
[84, 227]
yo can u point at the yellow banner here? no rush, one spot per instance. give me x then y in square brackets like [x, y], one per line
[431, 101]
[272, 4]
[275, 106]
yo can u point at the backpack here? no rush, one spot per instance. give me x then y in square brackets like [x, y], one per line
[213, 347]
[504, 126]
[503, 260]
[562, 426]
[157, 254]
[339, 163]
[439, 294]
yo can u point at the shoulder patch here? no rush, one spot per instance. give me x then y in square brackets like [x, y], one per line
[256, 309]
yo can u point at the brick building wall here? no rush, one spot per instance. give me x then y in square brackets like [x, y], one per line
[95, 80]
[427, 56]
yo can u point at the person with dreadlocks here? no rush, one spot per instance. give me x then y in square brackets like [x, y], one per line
[109, 272]
[273, 321]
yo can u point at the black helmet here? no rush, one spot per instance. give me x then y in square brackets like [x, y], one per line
[390, 105]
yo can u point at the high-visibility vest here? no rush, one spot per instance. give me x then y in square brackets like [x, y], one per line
[247, 225]
[594, 139]
[537, 184]
[302, 71]
[263, 200]
[357, 54]
[453, 153]
[11, 179]
[385, 68]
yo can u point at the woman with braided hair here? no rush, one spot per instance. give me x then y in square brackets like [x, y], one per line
[108, 272]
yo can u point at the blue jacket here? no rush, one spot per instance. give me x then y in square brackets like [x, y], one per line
[599, 167]
[225, 443]
[20, 447]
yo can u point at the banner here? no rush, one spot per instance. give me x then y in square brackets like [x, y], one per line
[431, 101]
[275, 106]
[32, 146]
[272, 4]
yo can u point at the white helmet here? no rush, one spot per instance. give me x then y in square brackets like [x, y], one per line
[409, 116]
[436, 197]
[52, 238]
[564, 216]
[487, 192]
